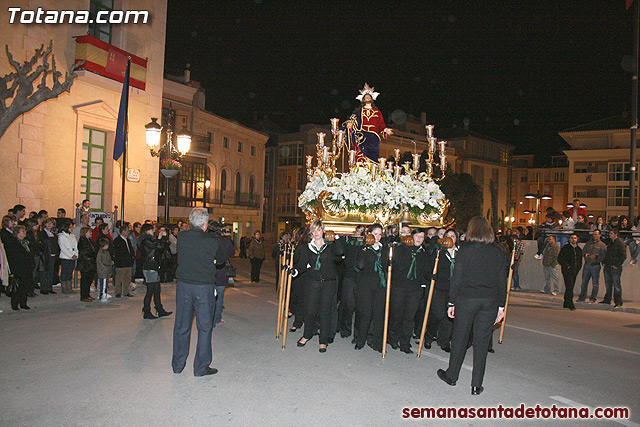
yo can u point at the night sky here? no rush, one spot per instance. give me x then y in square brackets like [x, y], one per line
[518, 71]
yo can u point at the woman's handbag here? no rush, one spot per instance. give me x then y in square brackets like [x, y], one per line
[12, 287]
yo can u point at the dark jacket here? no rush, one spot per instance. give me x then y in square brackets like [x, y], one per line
[352, 247]
[221, 270]
[123, 252]
[197, 252]
[616, 254]
[570, 258]
[20, 260]
[401, 264]
[39, 251]
[304, 261]
[365, 265]
[444, 274]
[87, 252]
[480, 272]
[151, 251]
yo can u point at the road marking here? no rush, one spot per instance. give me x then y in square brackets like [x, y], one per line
[271, 302]
[445, 359]
[575, 340]
[592, 411]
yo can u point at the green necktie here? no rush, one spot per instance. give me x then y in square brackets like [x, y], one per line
[377, 267]
[413, 269]
[318, 262]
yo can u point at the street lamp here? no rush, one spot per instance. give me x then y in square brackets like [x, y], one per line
[538, 197]
[167, 150]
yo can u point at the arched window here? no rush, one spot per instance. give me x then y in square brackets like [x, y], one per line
[252, 186]
[223, 180]
[238, 184]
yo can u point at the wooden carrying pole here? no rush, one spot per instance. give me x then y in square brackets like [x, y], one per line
[281, 279]
[429, 298]
[386, 305]
[506, 304]
[287, 296]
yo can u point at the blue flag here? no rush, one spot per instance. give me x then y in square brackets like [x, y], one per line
[119, 144]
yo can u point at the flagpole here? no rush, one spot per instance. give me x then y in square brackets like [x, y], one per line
[634, 113]
[126, 141]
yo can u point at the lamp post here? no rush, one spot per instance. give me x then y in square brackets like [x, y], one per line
[538, 197]
[167, 151]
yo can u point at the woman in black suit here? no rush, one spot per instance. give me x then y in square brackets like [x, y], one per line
[21, 264]
[371, 265]
[317, 263]
[477, 297]
[87, 253]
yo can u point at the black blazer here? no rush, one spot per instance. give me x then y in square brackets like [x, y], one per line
[304, 260]
[365, 265]
[480, 272]
[123, 253]
[402, 257]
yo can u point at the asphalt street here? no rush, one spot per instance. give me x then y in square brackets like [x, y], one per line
[67, 363]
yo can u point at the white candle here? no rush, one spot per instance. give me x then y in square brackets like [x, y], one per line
[334, 125]
[321, 136]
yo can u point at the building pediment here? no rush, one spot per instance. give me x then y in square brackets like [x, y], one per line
[98, 110]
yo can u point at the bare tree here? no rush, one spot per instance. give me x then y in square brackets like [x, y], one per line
[18, 87]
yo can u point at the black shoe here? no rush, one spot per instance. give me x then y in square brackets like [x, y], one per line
[605, 302]
[209, 371]
[569, 306]
[118, 296]
[302, 344]
[25, 307]
[44, 293]
[52, 292]
[443, 376]
[490, 350]
[446, 349]
[357, 347]
[476, 390]
[164, 313]
[379, 350]
[427, 344]
[15, 307]
[394, 345]
[148, 315]
[617, 305]
[293, 329]
[407, 350]
[322, 349]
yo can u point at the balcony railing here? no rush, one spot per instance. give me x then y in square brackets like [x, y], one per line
[220, 197]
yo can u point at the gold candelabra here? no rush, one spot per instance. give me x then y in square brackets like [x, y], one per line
[328, 156]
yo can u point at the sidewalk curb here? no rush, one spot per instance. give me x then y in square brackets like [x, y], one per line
[534, 295]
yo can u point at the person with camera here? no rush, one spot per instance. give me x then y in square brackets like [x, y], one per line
[150, 248]
[223, 236]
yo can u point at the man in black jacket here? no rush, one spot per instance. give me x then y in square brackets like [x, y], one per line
[123, 256]
[198, 254]
[613, 260]
[570, 260]
[348, 298]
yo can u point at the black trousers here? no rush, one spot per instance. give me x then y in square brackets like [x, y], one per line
[153, 290]
[319, 298]
[190, 298]
[477, 315]
[419, 317]
[256, 265]
[439, 327]
[86, 278]
[19, 299]
[296, 303]
[370, 298]
[569, 283]
[347, 306]
[402, 310]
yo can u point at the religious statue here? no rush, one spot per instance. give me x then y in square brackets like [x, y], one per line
[366, 127]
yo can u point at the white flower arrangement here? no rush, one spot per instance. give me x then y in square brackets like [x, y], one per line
[356, 191]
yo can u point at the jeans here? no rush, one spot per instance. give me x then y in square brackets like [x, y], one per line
[515, 282]
[66, 269]
[550, 278]
[217, 317]
[103, 285]
[190, 298]
[590, 271]
[612, 282]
